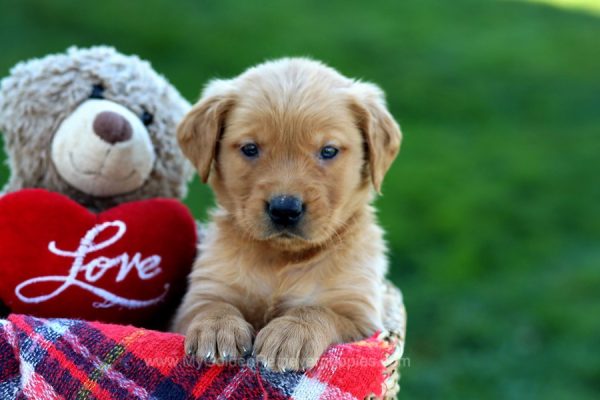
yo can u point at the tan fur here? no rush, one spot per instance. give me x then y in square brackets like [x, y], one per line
[321, 286]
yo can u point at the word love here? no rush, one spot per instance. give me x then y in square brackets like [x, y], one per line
[85, 275]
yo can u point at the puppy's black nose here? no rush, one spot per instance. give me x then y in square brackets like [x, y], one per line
[285, 210]
[112, 127]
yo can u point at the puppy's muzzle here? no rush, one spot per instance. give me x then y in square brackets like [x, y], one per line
[285, 211]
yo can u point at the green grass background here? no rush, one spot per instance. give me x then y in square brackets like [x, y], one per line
[493, 207]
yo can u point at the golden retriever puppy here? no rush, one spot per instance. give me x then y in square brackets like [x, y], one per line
[293, 259]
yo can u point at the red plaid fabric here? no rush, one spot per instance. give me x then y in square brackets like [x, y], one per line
[72, 359]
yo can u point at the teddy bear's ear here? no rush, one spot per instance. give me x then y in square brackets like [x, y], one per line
[200, 130]
[381, 132]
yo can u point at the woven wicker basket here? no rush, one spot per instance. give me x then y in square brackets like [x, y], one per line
[395, 325]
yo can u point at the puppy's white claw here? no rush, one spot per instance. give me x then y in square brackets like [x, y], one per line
[246, 352]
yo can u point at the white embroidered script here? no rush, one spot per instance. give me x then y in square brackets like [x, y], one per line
[84, 275]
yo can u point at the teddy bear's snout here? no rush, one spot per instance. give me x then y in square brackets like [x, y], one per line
[103, 149]
[112, 127]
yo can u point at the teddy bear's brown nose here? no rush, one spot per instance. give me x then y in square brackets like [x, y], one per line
[112, 127]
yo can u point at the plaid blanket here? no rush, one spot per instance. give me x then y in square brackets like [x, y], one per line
[62, 358]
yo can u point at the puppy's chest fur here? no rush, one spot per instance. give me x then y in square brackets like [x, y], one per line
[258, 285]
[262, 284]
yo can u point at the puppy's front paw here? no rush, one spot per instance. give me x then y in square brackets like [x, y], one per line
[288, 344]
[219, 339]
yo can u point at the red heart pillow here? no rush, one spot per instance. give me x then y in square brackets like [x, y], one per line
[124, 265]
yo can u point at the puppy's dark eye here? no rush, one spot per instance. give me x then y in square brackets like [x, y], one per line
[97, 92]
[328, 152]
[250, 150]
[147, 118]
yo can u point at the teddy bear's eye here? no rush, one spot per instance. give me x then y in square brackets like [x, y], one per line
[147, 118]
[97, 92]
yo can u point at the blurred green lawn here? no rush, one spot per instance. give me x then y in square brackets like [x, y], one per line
[493, 207]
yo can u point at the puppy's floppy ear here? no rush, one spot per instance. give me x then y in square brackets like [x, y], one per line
[381, 132]
[200, 130]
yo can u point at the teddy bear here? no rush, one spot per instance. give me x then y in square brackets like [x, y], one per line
[95, 125]
[90, 222]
